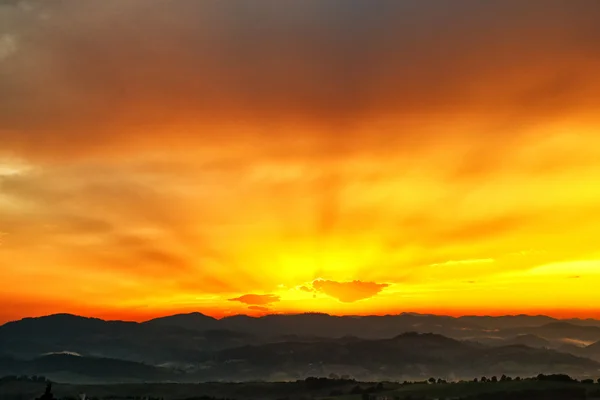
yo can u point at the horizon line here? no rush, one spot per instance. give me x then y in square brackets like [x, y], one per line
[406, 313]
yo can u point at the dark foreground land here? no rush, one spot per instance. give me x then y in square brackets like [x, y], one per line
[311, 389]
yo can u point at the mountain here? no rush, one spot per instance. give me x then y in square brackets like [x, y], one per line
[306, 343]
[319, 325]
[592, 351]
[371, 327]
[292, 347]
[324, 325]
[583, 322]
[525, 339]
[529, 340]
[559, 330]
[407, 347]
[508, 321]
[152, 342]
[196, 321]
[407, 356]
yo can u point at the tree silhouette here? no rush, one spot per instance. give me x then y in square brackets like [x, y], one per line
[48, 393]
[555, 378]
[356, 390]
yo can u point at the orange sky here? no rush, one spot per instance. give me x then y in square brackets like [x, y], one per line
[350, 157]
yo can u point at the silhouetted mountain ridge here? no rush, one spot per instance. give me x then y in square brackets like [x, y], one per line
[362, 344]
[155, 343]
[195, 320]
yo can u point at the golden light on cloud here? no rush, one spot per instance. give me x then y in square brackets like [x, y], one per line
[235, 159]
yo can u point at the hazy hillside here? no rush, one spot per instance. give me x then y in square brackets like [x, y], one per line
[64, 367]
[559, 330]
[508, 321]
[409, 355]
[296, 346]
[196, 321]
[153, 343]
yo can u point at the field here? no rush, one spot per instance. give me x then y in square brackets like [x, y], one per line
[454, 390]
[295, 390]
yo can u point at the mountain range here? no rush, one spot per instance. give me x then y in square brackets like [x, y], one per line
[195, 347]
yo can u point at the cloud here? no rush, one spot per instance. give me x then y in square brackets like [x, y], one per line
[257, 299]
[348, 292]
[306, 289]
[259, 308]
[229, 148]
[464, 262]
[115, 223]
[8, 46]
[340, 65]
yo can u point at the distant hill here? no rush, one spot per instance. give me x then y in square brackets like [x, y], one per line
[592, 351]
[152, 342]
[371, 327]
[313, 344]
[508, 321]
[323, 325]
[85, 369]
[583, 322]
[409, 355]
[530, 340]
[559, 330]
[525, 339]
[195, 321]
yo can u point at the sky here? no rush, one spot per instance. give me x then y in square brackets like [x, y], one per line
[341, 156]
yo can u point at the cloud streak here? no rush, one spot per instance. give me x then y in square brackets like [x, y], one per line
[259, 308]
[8, 46]
[257, 299]
[464, 262]
[339, 65]
[348, 292]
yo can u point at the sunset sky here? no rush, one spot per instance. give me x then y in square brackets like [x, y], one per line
[339, 156]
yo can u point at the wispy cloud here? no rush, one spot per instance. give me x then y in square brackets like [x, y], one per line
[348, 292]
[464, 262]
[8, 46]
[259, 308]
[307, 148]
[257, 299]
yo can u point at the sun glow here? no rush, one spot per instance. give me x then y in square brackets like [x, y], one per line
[314, 164]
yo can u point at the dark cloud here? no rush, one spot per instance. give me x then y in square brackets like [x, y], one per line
[257, 299]
[107, 83]
[349, 292]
